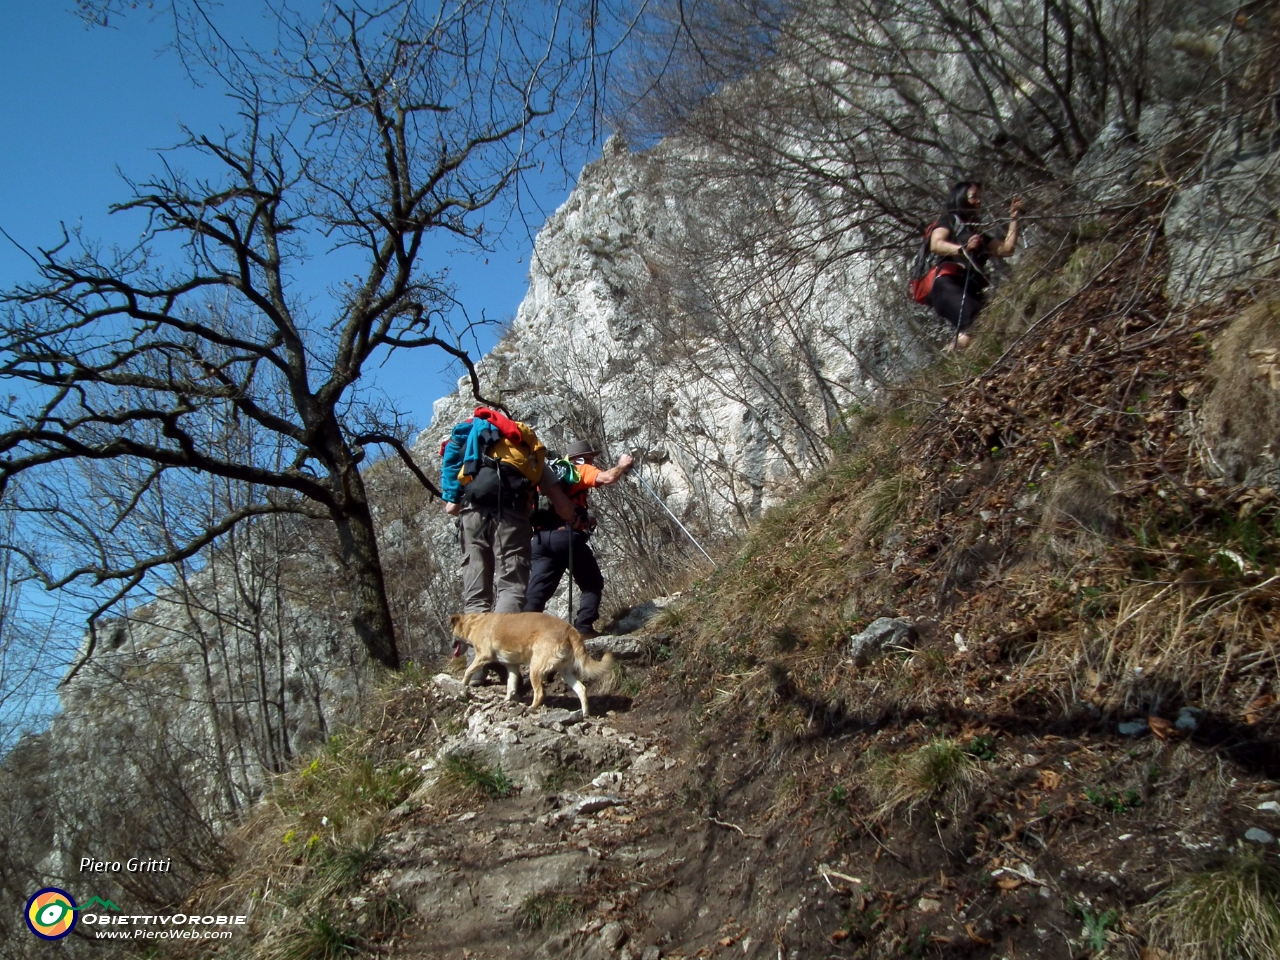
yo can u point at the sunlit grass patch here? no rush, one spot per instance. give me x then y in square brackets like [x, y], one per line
[943, 772]
[1228, 911]
[463, 776]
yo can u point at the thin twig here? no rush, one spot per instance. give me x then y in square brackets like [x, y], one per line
[734, 826]
[857, 816]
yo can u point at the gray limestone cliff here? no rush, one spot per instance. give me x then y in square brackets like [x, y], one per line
[659, 323]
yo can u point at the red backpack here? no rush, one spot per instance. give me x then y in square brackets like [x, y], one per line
[927, 268]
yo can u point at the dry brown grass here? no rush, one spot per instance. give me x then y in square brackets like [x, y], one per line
[308, 845]
[1142, 644]
[1080, 513]
[1054, 511]
[1230, 910]
[940, 773]
[785, 589]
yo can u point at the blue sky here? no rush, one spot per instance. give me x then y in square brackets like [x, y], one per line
[80, 106]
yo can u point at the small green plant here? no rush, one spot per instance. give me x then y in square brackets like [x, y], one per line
[1229, 910]
[1114, 802]
[838, 797]
[411, 674]
[1096, 927]
[320, 938]
[547, 911]
[468, 775]
[982, 748]
[629, 685]
[342, 868]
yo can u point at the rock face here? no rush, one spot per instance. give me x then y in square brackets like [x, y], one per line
[1222, 231]
[638, 333]
[616, 341]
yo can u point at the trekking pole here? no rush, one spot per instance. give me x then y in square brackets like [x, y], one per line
[674, 517]
[571, 532]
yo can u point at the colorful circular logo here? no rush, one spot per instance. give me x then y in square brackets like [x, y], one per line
[51, 913]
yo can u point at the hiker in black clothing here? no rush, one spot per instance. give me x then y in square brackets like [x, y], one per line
[562, 546]
[958, 290]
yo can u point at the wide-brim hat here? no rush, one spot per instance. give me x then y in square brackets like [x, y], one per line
[580, 448]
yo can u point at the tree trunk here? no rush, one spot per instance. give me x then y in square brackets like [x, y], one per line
[370, 612]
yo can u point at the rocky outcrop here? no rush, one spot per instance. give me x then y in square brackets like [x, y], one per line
[623, 338]
[1223, 229]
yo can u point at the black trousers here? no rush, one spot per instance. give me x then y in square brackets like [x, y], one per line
[551, 550]
[954, 304]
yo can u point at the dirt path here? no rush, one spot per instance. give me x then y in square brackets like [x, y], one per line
[647, 833]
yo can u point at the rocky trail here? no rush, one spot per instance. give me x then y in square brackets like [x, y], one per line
[639, 833]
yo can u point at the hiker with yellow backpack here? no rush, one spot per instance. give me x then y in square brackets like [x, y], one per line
[492, 466]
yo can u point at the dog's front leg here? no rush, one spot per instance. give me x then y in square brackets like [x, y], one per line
[513, 681]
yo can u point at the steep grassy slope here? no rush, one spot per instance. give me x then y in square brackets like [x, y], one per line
[1075, 756]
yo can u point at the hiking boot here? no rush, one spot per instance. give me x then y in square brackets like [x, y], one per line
[587, 633]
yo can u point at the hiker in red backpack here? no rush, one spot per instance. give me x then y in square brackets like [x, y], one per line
[962, 253]
[560, 546]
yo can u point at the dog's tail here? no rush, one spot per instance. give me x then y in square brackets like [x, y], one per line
[587, 668]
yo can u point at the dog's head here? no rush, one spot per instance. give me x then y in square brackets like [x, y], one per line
[455, 626]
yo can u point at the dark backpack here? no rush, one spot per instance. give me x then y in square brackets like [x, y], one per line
[544, 517]
[497, 484]
[928, 266]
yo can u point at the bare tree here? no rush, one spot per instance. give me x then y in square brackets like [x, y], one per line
[868, 107]
[27, 651]
[129, 367]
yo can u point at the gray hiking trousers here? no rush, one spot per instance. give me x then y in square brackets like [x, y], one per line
[495, 560]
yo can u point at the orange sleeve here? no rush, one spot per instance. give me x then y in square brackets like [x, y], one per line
[587, 474]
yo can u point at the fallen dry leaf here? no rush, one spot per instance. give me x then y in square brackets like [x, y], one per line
[1008, 883]
[1050, 779]
[975, 937]
[1161, 727]
[725, 941]
[1253, 712]
[839, 936]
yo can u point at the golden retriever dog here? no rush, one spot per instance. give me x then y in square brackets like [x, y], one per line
[546, 643]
